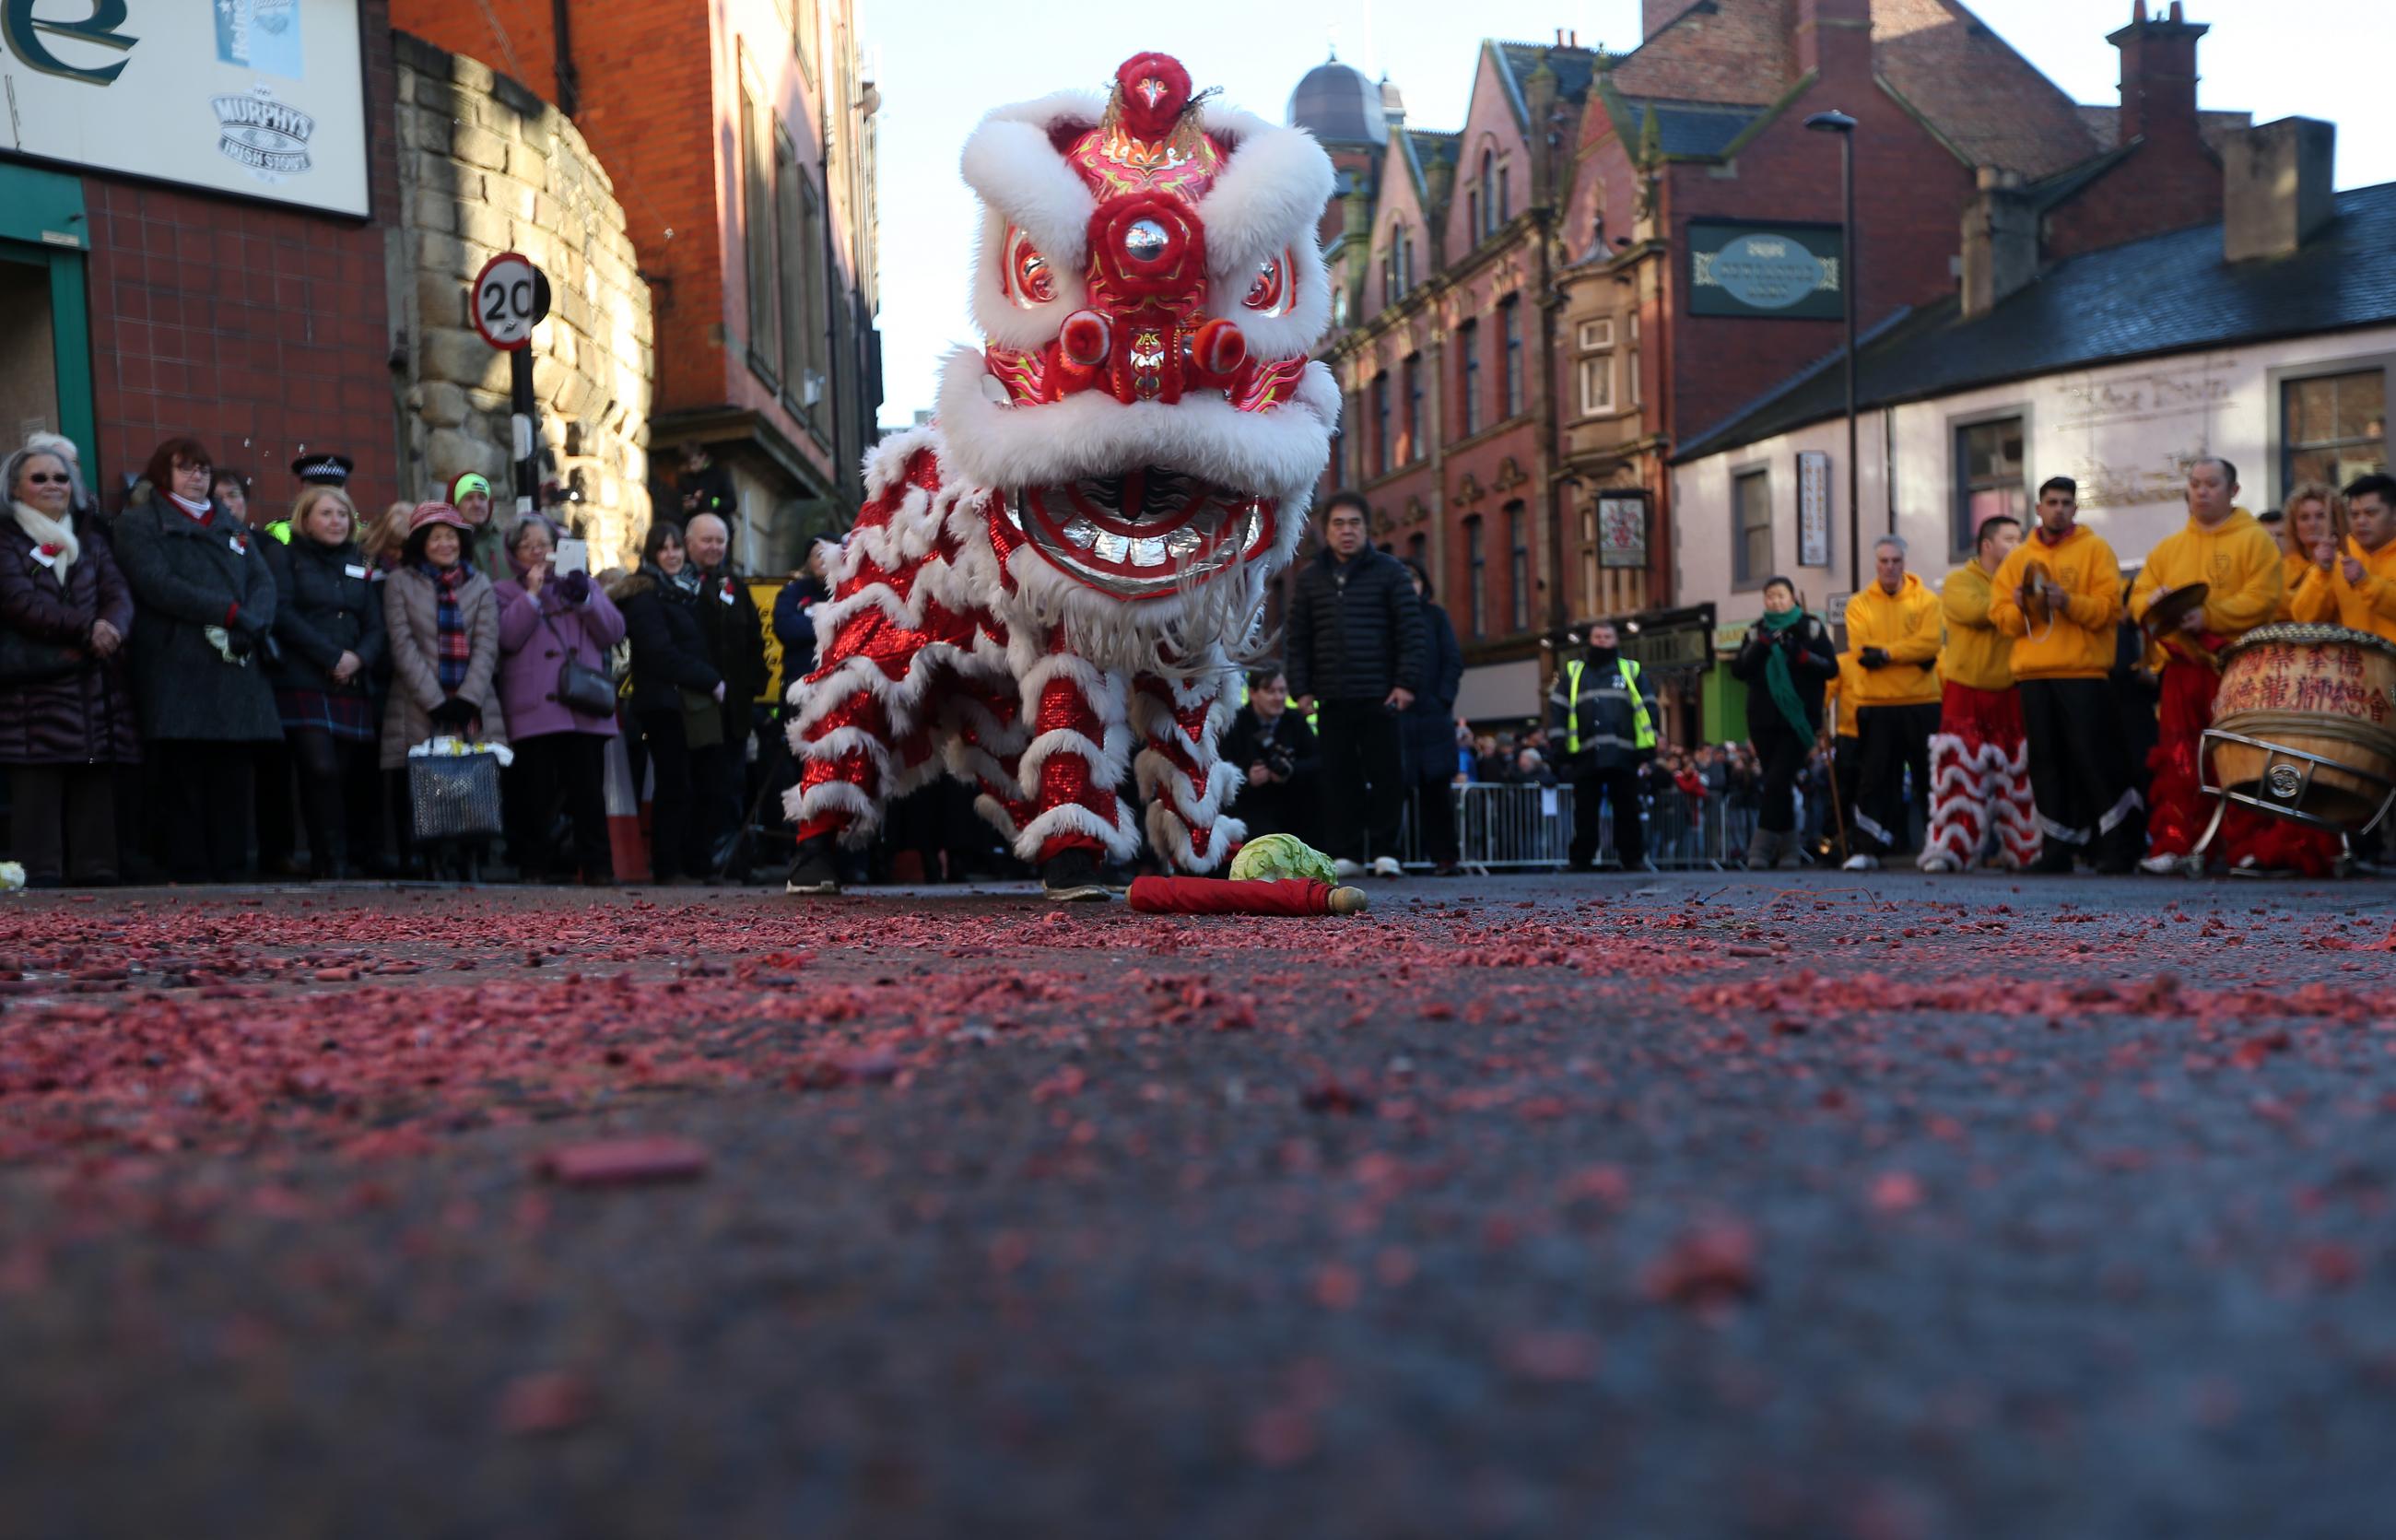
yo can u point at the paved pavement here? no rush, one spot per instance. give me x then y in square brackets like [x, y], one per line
[1810, 1206]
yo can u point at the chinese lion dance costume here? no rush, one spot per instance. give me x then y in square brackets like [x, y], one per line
[1061, 566]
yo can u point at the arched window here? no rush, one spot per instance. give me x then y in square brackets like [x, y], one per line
[1486, 224]
[1505, 198]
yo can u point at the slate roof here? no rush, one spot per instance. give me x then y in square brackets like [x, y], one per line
[1694, 128]
[2167, 293]
[1989, 102]
[1338, 105]
[1425, 148]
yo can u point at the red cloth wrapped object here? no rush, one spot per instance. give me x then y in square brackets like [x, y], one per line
[1217, 895]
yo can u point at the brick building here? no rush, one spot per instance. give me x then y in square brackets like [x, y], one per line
[1640, 263]
[1447, 359]
[203, 251]
[740, 138]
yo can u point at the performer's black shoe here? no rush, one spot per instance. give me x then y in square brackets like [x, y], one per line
[812, 872]
[1072, 877]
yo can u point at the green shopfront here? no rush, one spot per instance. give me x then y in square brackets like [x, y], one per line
[45, 308]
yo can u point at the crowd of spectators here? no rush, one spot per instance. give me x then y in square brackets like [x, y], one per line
[194, 690]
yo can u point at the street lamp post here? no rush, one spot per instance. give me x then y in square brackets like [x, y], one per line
[1844, 126]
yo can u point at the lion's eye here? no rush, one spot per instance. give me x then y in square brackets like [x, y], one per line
[1274, 289]
[1030, 282]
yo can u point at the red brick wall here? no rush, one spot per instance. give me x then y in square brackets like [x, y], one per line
[647, 76]
[256, 328]
[1909, 197]
[2168, 183]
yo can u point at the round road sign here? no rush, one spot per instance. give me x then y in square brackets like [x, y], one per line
[509, 296]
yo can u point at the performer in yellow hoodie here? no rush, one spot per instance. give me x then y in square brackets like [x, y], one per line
[2356, 587]
[1979, 767]
[2079, 768]
[1893, 630]
[2224, 547]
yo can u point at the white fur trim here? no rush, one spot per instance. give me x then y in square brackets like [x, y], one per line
[1279, 452]
[1120, 838]
[830, 797]
[1020, 177]
[885, 462]
[1267, 201]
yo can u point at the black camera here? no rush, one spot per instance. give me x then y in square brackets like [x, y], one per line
[1279, 762]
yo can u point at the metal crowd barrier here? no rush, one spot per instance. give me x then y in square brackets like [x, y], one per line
[1508, 828]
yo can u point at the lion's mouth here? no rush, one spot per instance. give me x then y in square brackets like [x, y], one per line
[1144, 533]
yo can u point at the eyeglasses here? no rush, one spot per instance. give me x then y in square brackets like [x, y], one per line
[39, 478]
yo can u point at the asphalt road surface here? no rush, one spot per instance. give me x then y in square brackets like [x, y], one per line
[1884, 1208]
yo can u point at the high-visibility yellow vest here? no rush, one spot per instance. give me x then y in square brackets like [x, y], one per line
[1643, 726]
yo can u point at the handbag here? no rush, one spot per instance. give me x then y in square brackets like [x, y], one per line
[582, 688]
[702, 721]
[26, 661]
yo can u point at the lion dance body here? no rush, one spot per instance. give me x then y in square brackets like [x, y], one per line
[1044, 586]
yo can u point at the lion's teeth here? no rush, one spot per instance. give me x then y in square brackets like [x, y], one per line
[1181, 542]
[1111, 547]
[1080, 533]
[1148, 552]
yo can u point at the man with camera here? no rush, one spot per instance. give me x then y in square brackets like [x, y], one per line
[1277, 757]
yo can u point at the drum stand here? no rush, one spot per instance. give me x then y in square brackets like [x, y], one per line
[2288, 777]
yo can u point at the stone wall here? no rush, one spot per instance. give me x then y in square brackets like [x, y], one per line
[485, 166]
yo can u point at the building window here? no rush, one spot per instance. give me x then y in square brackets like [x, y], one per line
[1472, 213]
[1476, 565]
[1484, 224]
[1407, 263]
[1505, 200]
[1635, 363]
[802, 37]
[803, 303]
[757, 219]
[1468, 343]
[1751, 543]
[1987, 476]
[1380, 423]
[1351, 418]
[1588, 558]
[1412, 381]
[1417, 550]
[2333, 428]
[1596, 384]
[1511, 318]
[1518, 567]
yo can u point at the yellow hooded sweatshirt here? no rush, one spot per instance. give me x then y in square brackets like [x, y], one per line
[2236, 558]
[2077, 644]
[2294, 564]
[1904, 624]
[1975, 653]
[1839, 695]
[2326, 598]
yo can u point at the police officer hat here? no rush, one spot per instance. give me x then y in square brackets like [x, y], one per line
[323, 470]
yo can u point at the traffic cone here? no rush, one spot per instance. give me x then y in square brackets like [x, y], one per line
[624, 842]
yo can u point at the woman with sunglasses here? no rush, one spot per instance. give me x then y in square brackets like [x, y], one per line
[66, 712]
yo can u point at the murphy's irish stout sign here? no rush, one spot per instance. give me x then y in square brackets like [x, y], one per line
[260, 98]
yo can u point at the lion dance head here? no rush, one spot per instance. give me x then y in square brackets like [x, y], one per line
[1148, 284]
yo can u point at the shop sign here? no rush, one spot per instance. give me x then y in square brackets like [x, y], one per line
[264, 98]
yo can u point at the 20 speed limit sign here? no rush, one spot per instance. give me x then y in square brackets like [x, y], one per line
[510, 295]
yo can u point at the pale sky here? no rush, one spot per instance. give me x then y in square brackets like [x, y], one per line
[945, 62]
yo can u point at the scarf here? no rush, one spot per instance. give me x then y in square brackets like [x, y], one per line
[688, 580]
[1777, 676]
[453, 650]
[55, 539]
[202, 513]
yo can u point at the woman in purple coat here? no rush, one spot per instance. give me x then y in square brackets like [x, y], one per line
[66, 713]
[544, 620]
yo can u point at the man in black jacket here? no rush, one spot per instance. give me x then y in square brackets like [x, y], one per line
[736, 646]
[1356, 658]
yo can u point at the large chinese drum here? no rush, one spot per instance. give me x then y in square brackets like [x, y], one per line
[2304, 725]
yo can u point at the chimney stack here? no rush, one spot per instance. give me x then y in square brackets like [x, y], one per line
[2275, 186]
[2159, 76]
[1832, 38]
[2000, 241]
